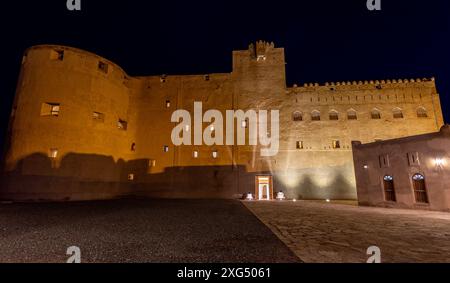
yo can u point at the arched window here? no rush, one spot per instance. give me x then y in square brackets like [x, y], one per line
[333, 115]
[375, 114]
[297, 116]
[422, 112]
[315, 115]
[420, 191]
[388, 185]
[351, 114]
[397, 113]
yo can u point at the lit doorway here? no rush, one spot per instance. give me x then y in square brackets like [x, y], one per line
[264, 188]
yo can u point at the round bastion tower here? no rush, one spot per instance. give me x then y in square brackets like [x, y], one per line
[69, 127]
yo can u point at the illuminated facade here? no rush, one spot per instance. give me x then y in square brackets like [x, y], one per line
[81, 128]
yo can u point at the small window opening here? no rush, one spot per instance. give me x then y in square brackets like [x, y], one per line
[50, 109]
[336, 144]
[422, 113]
[103, 67]
[297, 116]
[351, 115]
[397, 113]
[384, 161]
[375, 114]
[244, 124]
[57, 55]
[53, 153]
[99, 117]
[122, 125]
[315, 116]
[413, 158]
[334, 116]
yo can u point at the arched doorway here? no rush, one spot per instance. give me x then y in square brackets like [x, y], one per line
[389, 190]
[420, 191]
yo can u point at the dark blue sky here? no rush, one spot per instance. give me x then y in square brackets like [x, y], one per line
[323, 40]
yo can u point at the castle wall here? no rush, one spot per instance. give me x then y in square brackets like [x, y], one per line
[203, 174]
[96, 159]
[85, 149]
[321, 171]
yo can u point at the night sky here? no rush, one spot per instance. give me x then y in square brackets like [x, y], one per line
[323, 40]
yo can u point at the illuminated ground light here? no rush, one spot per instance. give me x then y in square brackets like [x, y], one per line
[327, 200]
[280, 195]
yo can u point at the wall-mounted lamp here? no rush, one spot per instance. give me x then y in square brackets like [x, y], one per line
[365, 166]
[439, 162]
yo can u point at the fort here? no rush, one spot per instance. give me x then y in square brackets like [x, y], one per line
[81, 128]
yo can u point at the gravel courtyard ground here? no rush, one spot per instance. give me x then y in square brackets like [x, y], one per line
[138, 231]
[329, 232]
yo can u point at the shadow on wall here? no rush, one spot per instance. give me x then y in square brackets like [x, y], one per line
[90, 177]
[310, 186]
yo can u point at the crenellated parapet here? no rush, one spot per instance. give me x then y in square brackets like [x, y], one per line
[260, 49]
[363, 85]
